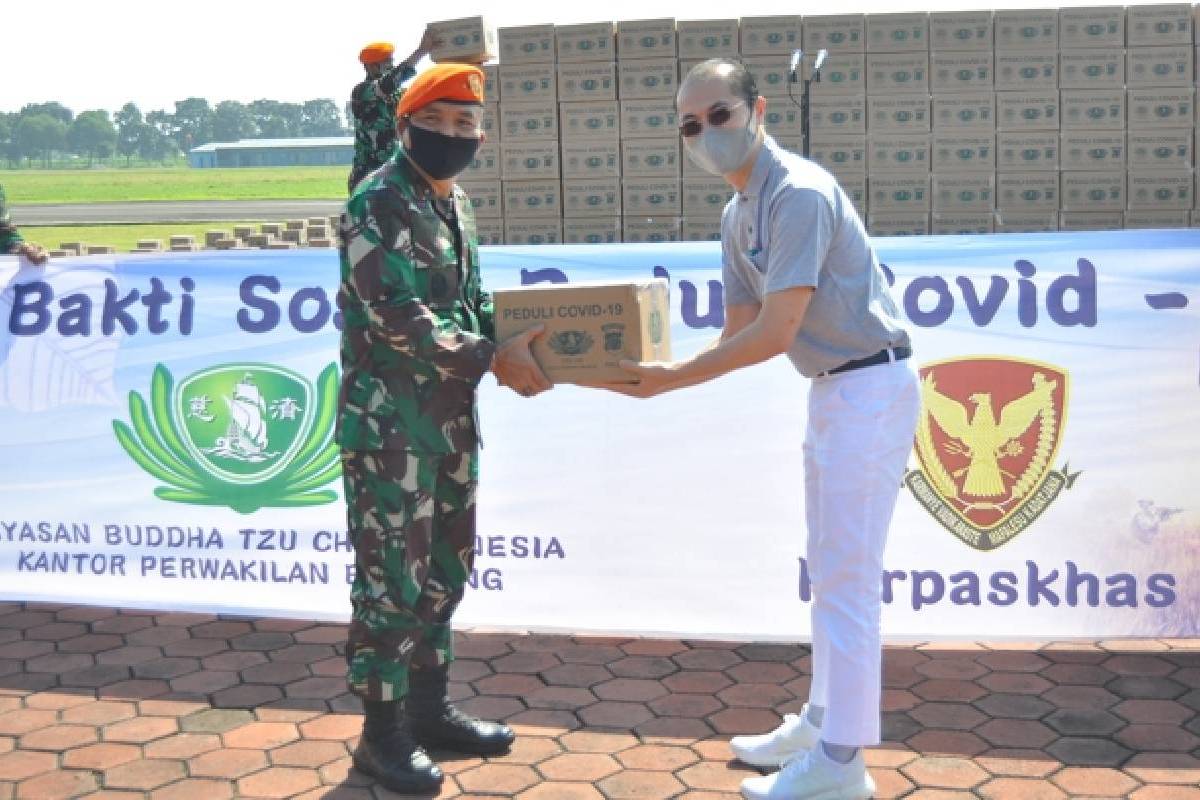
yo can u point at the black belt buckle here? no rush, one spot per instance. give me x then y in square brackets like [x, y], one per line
[882, 357]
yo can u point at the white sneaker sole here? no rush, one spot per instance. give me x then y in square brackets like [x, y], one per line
[863, 792]
[754, 760]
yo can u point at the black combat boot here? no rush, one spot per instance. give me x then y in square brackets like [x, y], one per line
[388, 753]
[437, 723]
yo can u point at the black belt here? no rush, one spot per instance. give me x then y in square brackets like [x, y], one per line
[882, 357]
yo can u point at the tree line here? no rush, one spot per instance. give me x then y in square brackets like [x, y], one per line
[39, 131]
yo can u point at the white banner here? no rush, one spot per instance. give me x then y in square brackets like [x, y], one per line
[1064, 366]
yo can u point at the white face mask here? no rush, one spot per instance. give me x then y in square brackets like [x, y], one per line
[720, 151]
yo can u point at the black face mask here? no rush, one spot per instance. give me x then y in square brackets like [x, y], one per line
[439, 155]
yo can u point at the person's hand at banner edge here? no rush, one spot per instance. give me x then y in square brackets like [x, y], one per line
[515, 367]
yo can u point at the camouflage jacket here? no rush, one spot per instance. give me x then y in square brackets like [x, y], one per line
[418, 329]
[373, 104]
[9, 237]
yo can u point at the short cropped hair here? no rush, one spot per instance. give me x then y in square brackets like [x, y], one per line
[738, 76]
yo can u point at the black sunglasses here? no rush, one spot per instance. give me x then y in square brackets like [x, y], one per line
[717, 116]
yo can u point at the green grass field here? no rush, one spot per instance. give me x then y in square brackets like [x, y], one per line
[122, 237]
[28, 187]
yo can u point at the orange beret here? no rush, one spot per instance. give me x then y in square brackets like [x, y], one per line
[376, 52]
[461, 83]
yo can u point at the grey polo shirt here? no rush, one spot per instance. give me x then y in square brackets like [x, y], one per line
[794, 226]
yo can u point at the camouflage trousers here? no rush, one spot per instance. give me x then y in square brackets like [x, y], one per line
[412, 524]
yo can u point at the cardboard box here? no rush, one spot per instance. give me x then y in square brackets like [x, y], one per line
[529, 161]
[590, 328]
[701, 230]
[1027, 191]
[528, 121]
[1160, 189]
[777, 35]
[1026, 221]
[591, 41]
[1161, 108]
[527, 44]
[595, 197]
[532, 199]
[841, 33]
[898, 153]
[646, 38]
[1091, 27]
[1093, 191]
[1159, 25]
[591, 158]
[587, 81]
[528, 83]
[491, 83]
[489, 230]
[1093, 68]
[1027, 152]
[963, 152]
[1092, 109]
[491, 122]
[648, 78]
[960, 30]
[1027, 111]
[964, 191]
[651, 197]
[846, 113]
[855, 187]
[1091, 221]
[486, 198]
[770, 75]
[650, 158]
[840, 153]
[961, 72]
[898, 33]
[705, 197]
[648, 119]
[707, 38]
[1195, 219]
[898, 191]
[1159, 67]
[899, 113]
[782, 119]
[592, 230]
[963, 111]
[1026, 29]
[962, 223]
[892, 223]
[1156, 219]
[1092, 150]
[640, 230]
[592, 121]
[532, 231]
[1163, 148]
[486, 164]
[843, 73]
[888, 73]
[1026, 70]
[469, 40]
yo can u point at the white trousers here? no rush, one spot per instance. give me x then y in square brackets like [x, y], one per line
[860, 433]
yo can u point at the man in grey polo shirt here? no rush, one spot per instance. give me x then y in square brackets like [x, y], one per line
[801, 278]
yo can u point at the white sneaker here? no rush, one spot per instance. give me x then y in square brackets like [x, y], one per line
[794, 736]
[813, 776]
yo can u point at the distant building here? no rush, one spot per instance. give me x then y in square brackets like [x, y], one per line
[307, 152]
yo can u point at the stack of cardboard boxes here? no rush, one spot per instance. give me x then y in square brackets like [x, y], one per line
[950, 122]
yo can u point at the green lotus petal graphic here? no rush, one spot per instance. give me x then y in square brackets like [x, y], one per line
[133, 446]
[160, 399]
[307, 499]
[147, 435]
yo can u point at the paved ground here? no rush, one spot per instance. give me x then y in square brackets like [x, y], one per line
[182, 211]
[101, 703]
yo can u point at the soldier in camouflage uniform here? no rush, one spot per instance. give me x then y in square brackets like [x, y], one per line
[11, 242]
[373, 104]
[417, 339]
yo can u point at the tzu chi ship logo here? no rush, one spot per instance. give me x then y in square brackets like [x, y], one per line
[989, 431]
[246, 436]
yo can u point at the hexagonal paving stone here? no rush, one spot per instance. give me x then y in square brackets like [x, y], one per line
[591, 741]
[1016, 733]
[1019, 789]
[216, 720]
[958, 669]
[696, 706]
[673, 730]
[636, 690]
[58, 737]
[139, 730]
[60, 783]
[714, 777]
[632, 784]
[588, 767]
[949, 691]
[192, 788]
[761, 672]
[755, 695]
[525, 663]
[1171, 768]
[228, 763]
[166, 668]
[1078, 751]
[1130, 664]
[1081, 697]
[577, 675]
[955, 716]
[561, 791]
[278, 782]
[706, 659]
[497, 778]
[1095, 782]
[1162, 712]
[744, 720]
[950, 743]
[332, 726]
[22, 721]
[1015, 706]
[657, 757]
[613, 714]
[1081, 722]
[18, 765]
[1142, 687]
[652, 667]
[144, 774]
[262, 735]
[508, 685]
[945, 773]
[1157, 738]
